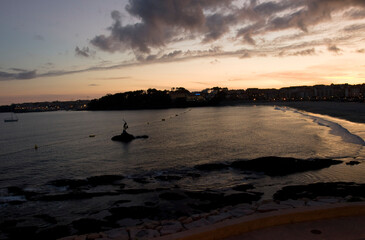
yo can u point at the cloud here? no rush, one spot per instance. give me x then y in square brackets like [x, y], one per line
[17, 74]
[306, 52]
[93, 85]
[84, 52]
[361, 50]
[160, 23]
[334, 48]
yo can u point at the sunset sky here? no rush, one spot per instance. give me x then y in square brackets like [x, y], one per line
[83, 49]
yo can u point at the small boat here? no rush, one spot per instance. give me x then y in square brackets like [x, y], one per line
[13, 118]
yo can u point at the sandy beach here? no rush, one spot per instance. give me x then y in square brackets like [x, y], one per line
[351, 111]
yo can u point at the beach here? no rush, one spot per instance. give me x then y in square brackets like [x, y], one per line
[351, 111]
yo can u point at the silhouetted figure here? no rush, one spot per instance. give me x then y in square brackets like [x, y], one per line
[126, 137]
[125, 126]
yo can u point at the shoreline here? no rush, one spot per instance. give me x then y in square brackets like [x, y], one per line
[351, 111]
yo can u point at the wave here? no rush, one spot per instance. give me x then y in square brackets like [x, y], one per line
[335, 128]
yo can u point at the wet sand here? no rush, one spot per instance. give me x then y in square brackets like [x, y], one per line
[351, 111]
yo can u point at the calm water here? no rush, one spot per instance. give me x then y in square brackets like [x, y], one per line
[187, 137]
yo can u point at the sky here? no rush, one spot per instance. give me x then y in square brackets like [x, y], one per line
[84, 49]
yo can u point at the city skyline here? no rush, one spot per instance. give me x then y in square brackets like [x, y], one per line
[86, 49]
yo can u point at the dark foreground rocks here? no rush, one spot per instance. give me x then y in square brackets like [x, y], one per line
[352, 191]
[272, 166]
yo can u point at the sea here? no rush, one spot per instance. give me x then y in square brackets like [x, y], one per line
[75, 145]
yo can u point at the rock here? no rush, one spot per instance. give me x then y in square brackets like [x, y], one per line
[196, 224]
[136, 191]
[69, 237]
[329, 200]
[76, 194]
[70, 183]
[243, 187]
[141, 180]
[315, 203]
[17, 191]
[278, 166]
[219, 218]
[168, 178]
[134, 212]
[104, 179]
[239, 212]
[238, 198]
[124, 137]
[315, 190]
[121, 202]
[352, 163]
[141, 234]
[129, 222]
[171, 196]
[53, 232]
[151, 225]
[293, 203]
[82, 237]
[120, 234]
[211, 166]
[170, 228]
[187, 220]
[87, 225]
[93, 236]
[272, 207]
[46, 218]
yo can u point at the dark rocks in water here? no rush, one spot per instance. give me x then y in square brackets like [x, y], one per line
[352, 163]
[121, 202]
[70, 183]
[46, 218]
[26, 232]
[104, 179]
[134, 191]
[220, 201]
[17, 191]
[75, 195]
[238, 198]
[87, 225]
[90, 181]
[278, 166]
[126, 137]
[312, 191]
[141, 180]
[168, 178]
[211, 166]
[171, 196]
[53, 233]
[243, 187]
[134, 212]
[205, 195]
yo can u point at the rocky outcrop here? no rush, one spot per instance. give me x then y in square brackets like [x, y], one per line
[126, 137]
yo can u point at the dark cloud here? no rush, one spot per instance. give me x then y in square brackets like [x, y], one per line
[334, 48]
[306, 52]
[17, 74]
[217, 25]
[84, 52]
[93, 85]
[361, 50]
[162, 22]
